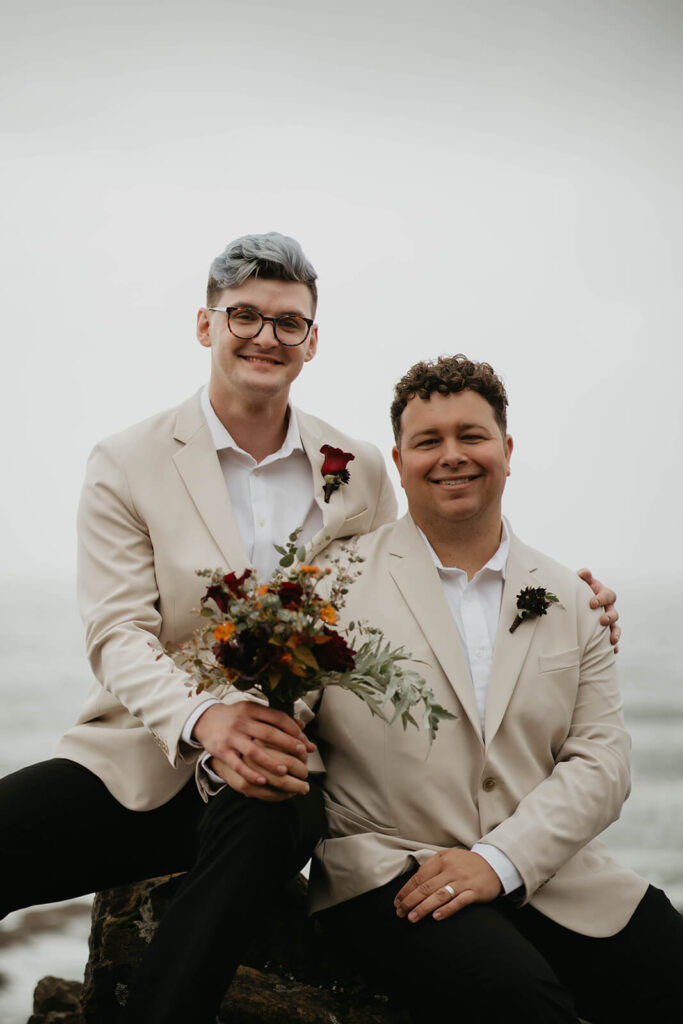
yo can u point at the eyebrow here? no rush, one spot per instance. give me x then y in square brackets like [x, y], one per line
[286, 312]
[434, 431]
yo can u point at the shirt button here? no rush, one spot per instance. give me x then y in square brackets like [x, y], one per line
[489, 784]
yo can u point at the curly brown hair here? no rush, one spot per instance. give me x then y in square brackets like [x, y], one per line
[447, 375]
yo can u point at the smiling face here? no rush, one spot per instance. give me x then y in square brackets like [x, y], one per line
[453, 462]
[259, 368]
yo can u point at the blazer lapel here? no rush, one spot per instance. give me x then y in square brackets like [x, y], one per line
[510, 649]
[334, 511]
[200, 470]
[418, 580]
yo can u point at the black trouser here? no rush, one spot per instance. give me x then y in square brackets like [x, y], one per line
[494, 963]
[62, 834]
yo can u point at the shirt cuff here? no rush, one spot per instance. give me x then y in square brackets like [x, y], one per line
[215, 782]
[510, 878]
[186, 734]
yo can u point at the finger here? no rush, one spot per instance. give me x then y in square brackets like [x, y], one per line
[264, 755]
[235, 780]
[310, 747]
[463, 899]
[289, 783]
[242, 770]
[586, 575]
[432, 902]
[603, 597]
[421, 892]
[271, 788]
[264, 713]
[293, 765]
[274, 737]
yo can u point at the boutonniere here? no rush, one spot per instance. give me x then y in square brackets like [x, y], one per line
[334, 469]
[532, 602]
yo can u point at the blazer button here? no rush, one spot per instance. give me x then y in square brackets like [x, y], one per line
[488, 784]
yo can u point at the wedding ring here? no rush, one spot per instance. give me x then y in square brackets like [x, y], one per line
[450, 889]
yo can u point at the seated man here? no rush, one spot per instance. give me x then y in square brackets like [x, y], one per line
[470, 874]
[217, 481]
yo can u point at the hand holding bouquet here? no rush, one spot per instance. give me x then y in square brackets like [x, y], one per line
[280, 638]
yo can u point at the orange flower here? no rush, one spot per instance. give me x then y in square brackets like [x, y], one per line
[328, 614]
[286, 658]
[312, 569]
[263, 589]
[224, 631]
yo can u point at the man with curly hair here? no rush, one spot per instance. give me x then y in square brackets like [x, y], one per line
[470, 874]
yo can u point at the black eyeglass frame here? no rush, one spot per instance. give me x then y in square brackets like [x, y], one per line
[264, 320]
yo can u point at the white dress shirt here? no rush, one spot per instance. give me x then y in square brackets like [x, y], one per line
[271, 498]
[475, 606]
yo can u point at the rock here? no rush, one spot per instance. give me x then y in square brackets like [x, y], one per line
[291, 976]
[56, 1001]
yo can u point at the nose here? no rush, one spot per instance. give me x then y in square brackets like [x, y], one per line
[452, 453]
[266, 336]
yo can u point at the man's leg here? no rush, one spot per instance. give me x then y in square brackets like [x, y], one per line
[247, 850]
[472, 966]
[62, 834]
[627, 978]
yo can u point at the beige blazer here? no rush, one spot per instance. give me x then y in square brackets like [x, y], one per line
[154, 509]
[549, 774]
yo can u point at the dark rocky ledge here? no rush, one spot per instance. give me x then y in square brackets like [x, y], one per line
[291, 976]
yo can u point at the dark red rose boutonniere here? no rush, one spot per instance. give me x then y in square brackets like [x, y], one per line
[334, 469]
[532, 602]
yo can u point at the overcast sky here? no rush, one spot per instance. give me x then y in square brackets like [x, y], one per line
[498, 178]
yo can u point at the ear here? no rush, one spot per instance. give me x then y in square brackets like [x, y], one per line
[508, 453]
[203, 325]
[396, 456]
[312, 343]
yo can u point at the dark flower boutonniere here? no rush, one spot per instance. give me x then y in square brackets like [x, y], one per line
[532, 602]
[334, 469]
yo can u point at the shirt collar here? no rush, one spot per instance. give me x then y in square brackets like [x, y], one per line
[496, 563]
[223, 439]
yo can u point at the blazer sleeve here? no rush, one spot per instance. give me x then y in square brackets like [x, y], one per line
[119, 603]
[590, 781]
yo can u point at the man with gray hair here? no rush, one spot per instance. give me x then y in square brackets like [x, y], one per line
[131, 792]
[216, 481]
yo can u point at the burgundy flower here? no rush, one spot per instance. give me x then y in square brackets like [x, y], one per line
[533, 602]
[232, 583]
[248, 653]
[335, 460]
[334, 469]
[290, 594]
[335, 655]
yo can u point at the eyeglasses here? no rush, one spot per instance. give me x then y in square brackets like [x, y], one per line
[245, 323]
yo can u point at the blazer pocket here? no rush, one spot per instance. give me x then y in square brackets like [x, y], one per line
[563, 659]
[356, 515]
[344, 822]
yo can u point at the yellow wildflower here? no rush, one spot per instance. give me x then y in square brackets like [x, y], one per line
[328, 614]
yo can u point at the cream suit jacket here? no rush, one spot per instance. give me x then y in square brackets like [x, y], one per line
[154, 509]
[551, 773]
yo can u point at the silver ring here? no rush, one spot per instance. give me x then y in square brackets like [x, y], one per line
[450, 889]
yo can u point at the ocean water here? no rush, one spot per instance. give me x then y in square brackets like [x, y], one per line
[44, 676]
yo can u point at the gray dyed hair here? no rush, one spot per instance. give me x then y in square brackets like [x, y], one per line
[269, 256]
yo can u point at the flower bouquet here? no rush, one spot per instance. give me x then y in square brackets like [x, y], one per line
[280, 638]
